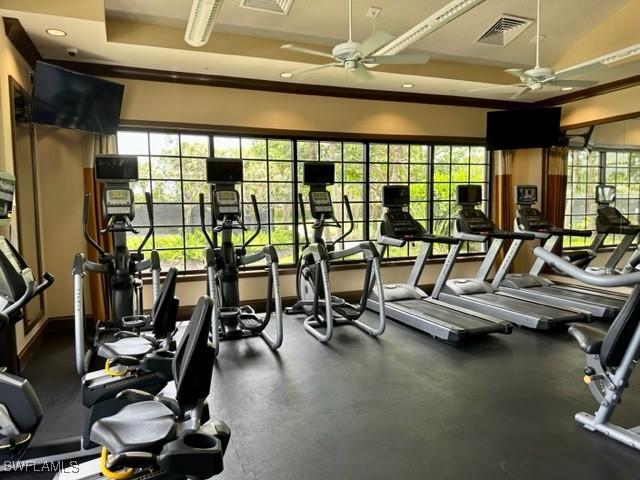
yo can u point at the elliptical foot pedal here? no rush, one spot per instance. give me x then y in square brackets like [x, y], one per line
[250, 322]
[347, 311]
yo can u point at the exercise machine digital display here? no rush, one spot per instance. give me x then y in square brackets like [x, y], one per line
[319, 173]
[224, 171]
[119, 202]
[7, 188]
[227, 202]
[116, 168]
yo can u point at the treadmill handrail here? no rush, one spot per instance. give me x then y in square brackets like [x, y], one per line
[585, 277]
[422, 237]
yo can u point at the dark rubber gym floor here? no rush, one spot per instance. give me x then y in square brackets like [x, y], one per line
[400, 407]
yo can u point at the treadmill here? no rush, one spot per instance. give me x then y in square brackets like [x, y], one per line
[408, 304]
[610, 221]
[476, 293]
[534, 287]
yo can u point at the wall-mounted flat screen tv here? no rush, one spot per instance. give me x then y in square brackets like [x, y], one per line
[530, 128]
[74, 100]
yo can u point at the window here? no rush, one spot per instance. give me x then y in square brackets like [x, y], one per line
[586, 170]
[583, 175]
[172, 169]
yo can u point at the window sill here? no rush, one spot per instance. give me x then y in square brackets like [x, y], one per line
[291, 270]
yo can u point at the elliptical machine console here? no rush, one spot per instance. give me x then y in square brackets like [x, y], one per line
[122, 267]
[322, 309]
[230, 319]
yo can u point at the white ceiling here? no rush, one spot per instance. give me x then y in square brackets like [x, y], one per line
[324, 22]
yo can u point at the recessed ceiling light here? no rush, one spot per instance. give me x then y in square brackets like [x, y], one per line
[286, 74]
[56, 33]
[566, 89]
[408, 85]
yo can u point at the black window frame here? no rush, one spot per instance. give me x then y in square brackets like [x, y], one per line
[366, 142]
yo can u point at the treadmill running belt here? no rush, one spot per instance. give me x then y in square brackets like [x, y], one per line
[503, 300]
[456, 320]
[584, 297]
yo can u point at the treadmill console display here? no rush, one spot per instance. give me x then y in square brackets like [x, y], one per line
[610, 217]
[395, 196]
[119, 202]
[474, 221]
[227, 202]
[320, 204]
[532, 219]
[399, 224]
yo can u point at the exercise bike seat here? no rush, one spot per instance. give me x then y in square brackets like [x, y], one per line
[138, 427]
[128, 346]
[590, 339]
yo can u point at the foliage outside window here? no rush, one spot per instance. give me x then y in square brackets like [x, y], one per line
[172, 168]
[588, 169]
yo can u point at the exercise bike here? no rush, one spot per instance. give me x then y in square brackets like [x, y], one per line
[20, 409]
[160, 438]
[610, 355]
[323, 310]
[122, 268]
[230, 320]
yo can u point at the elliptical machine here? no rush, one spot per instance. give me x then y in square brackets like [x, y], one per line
[229, 319]
[312, 281]
[123, 268]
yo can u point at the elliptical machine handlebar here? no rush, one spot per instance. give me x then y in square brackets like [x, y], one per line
[147, 198]
[23, 300]
[347, 206]
[256, 213]
[240, 224]
[203, 223]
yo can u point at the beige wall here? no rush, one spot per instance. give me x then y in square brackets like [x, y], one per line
[154, 101]
[592, 109]
[12, 65]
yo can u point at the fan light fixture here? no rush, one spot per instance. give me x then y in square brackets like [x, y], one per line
[201, 20]
[55, 32]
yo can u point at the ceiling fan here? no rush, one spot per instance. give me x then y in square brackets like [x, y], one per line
[538, 77]
[354, 56]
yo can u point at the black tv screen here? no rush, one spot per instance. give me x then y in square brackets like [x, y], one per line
[319, 173]
[531, 128]
[73, 100]
[395, 195]
[116, 168]
[469, 194]
[224, 171]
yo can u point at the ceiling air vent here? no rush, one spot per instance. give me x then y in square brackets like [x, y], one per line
[504, 30]
[270, 6]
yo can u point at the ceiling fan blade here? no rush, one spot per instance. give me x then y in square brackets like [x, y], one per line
[362, 74]
[572, 83]
[520, 92]
[300, 71]
[306, 50]
[373, 42]
[400, 59]
[518, 72]
[492, 87]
